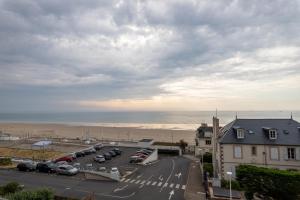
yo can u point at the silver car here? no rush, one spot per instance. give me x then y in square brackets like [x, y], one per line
[67, 170]
[99, 158]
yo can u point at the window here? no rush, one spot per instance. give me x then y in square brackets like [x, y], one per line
[253, 151]
[240, 133]
[237, 151]
[208, 142]
[291, 153]
[272, 134]
[274, 153]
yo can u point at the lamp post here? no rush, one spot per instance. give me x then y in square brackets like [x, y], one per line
[230, 174]
[201, 152]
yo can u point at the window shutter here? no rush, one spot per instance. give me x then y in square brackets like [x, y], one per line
[298, 153]
[286, 154]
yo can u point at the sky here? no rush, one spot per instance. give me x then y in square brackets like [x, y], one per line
[78, 55]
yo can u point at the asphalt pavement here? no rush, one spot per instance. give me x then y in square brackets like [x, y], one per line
[164, 179]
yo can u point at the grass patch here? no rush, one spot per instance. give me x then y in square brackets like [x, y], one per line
[29, 153]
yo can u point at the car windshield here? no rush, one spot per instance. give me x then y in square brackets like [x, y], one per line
[69, 167]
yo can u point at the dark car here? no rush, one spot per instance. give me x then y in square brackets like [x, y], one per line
[117, 151]
[46, 167]
[107, 156]
[112, 153]
[26, 166]
[89, 151]
[79, 154]
[97, 147]
[135, 159]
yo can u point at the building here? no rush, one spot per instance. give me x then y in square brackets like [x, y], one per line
[273, 143]
[204, 139]
[7, 137]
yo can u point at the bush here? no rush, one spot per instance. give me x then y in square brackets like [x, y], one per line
[10, 188]
[207, 157]
[41, 194]
[234, 184]
[5, 161]
[279, 184]
[208, 167]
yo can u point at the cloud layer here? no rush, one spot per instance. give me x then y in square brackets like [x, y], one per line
[74, 55]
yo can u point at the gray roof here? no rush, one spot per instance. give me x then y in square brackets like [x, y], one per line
[202, 129]
[288, 132]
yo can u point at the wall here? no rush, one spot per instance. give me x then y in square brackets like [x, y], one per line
[152, 157]
[260, 159]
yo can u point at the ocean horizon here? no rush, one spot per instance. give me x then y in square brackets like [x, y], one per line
[185, 120]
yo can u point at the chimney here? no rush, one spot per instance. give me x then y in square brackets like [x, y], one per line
[216, 129]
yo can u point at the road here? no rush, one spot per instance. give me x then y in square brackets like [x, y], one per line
[165, 179]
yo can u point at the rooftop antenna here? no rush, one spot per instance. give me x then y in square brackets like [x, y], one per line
[236, 115]
[291, 115]
[216, 112]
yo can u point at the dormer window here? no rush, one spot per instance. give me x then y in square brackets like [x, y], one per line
[240, 133]
[272, 134]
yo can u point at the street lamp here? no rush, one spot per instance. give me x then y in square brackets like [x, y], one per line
[230, 174]
[201, 150]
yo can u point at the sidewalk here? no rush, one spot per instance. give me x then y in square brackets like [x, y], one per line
[194, 188]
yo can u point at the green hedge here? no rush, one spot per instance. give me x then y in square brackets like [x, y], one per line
[207, 157]
[279, 184]
[5, 161]
[234, 184]
[41, 194]
[10, 188]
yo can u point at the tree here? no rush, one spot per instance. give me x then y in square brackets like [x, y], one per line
[183, 145]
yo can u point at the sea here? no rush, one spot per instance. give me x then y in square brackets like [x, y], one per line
[179, 120]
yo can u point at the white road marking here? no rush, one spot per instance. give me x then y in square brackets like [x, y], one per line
[123, 179]
[166, 184]
[178, 175]
[148, 183]
[133, 180]
[154, 183]
[173, 167]
[160, 178]
[171, 194]
[171, 185]
[143, 182]
[119, 189]
[137, 181]
[183, 187]
[127, 180]
[159, 184]
[177, 186]
[139, 176]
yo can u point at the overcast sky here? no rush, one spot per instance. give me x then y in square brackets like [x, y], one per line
[149, 55]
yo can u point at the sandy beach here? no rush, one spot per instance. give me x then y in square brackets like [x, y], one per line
[99, 132]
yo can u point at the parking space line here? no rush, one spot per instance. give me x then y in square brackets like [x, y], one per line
[183, 187]
[177, 186]
[159, 184]
[166, 184]
[143, 182]
[171, 185]
[137, 181]
[127, 180]
[148, 183]
[123, 179]
[133, 180]
[154, 183]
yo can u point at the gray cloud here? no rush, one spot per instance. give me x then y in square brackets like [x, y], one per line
[128, 49]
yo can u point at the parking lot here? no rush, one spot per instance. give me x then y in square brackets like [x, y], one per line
[120, 161]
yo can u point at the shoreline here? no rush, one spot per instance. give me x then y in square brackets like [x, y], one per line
[66, 130]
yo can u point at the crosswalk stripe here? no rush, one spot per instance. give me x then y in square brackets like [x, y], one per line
[183, 187]
[159, 184]
[137, 181]
[127, 180]
[171, 185]
[148, 183]
[154, 183]
[123, 179]
[166, 184]
[143, 182]
[132, 181]
[177, 186]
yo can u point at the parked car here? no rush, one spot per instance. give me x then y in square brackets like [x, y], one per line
[73, 155]
[97, 147]
[46, 167]
[117, 151]
[141, 155]
[99, 158]
[66, 170]
[143, 152]
[135, 159]
[115, 171]
[61, 163]
[26, 166]
[65, 158]
[79, 154]
[89, 151]
[107, 156]
[112, 153]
